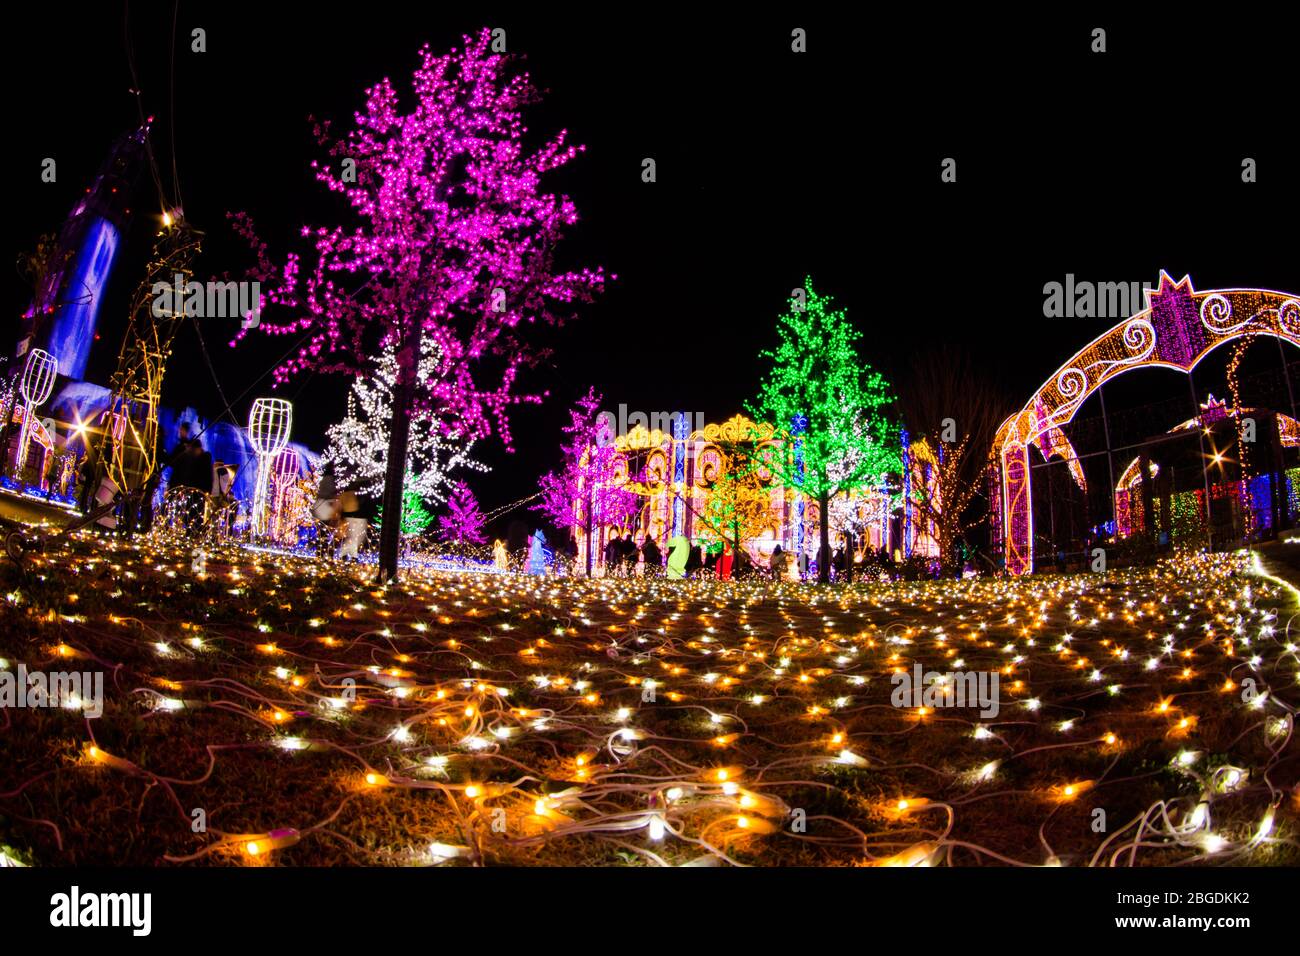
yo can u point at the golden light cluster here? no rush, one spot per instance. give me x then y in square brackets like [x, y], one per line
[500, 718]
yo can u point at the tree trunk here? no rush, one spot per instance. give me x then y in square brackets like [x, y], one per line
[824, 552]
[848, 555]
[591, 505]
[399, 433]
[1148, 500]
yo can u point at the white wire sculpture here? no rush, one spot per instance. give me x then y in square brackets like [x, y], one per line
[269, 424]
[284, 481]
[284, 468]
[36, 384]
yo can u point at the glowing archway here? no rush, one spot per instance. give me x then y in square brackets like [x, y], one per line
[1176, 330]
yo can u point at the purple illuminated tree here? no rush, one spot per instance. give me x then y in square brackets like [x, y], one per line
[453, 241]
[587, 492]
[463, 522]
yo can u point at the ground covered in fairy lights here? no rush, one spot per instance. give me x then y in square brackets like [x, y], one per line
[275, 711]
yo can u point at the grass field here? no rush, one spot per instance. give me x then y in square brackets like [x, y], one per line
[274, 711]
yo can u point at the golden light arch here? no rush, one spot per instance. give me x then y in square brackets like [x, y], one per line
[1178, 328]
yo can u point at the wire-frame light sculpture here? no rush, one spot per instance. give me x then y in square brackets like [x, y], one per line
[284, 481]
[157, 310]
[269, 424]
[36, 384]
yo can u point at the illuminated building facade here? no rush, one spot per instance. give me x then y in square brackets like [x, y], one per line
[673, 474]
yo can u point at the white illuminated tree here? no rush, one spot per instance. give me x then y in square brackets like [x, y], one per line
[358, 445]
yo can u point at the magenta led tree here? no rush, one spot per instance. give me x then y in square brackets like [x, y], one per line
[453, 241]
[587, 491]
[463, 522]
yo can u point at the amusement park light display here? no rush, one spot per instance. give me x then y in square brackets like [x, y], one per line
[1184, 515]
[1179, 327]
[146, 348]
[689, 482]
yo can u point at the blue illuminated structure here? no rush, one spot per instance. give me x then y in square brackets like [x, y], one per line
[86, 403]
[681, 429]
[65, 313]
[65, 306]
[72, 330]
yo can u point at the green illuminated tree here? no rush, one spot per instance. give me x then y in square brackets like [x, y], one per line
[415, 515]
[831, 406]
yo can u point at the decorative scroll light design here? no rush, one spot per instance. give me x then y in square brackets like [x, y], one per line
[1178, 328]
[269, 424]
[36, 384]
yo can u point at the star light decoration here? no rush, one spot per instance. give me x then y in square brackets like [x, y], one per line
[623, 720]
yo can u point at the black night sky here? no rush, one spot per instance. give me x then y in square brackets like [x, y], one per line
[770, 165]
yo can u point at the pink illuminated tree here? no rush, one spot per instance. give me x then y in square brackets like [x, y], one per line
[463, 522]
[588, 491]
[453, 241]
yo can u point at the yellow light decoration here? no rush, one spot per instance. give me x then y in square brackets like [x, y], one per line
[699, 666]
